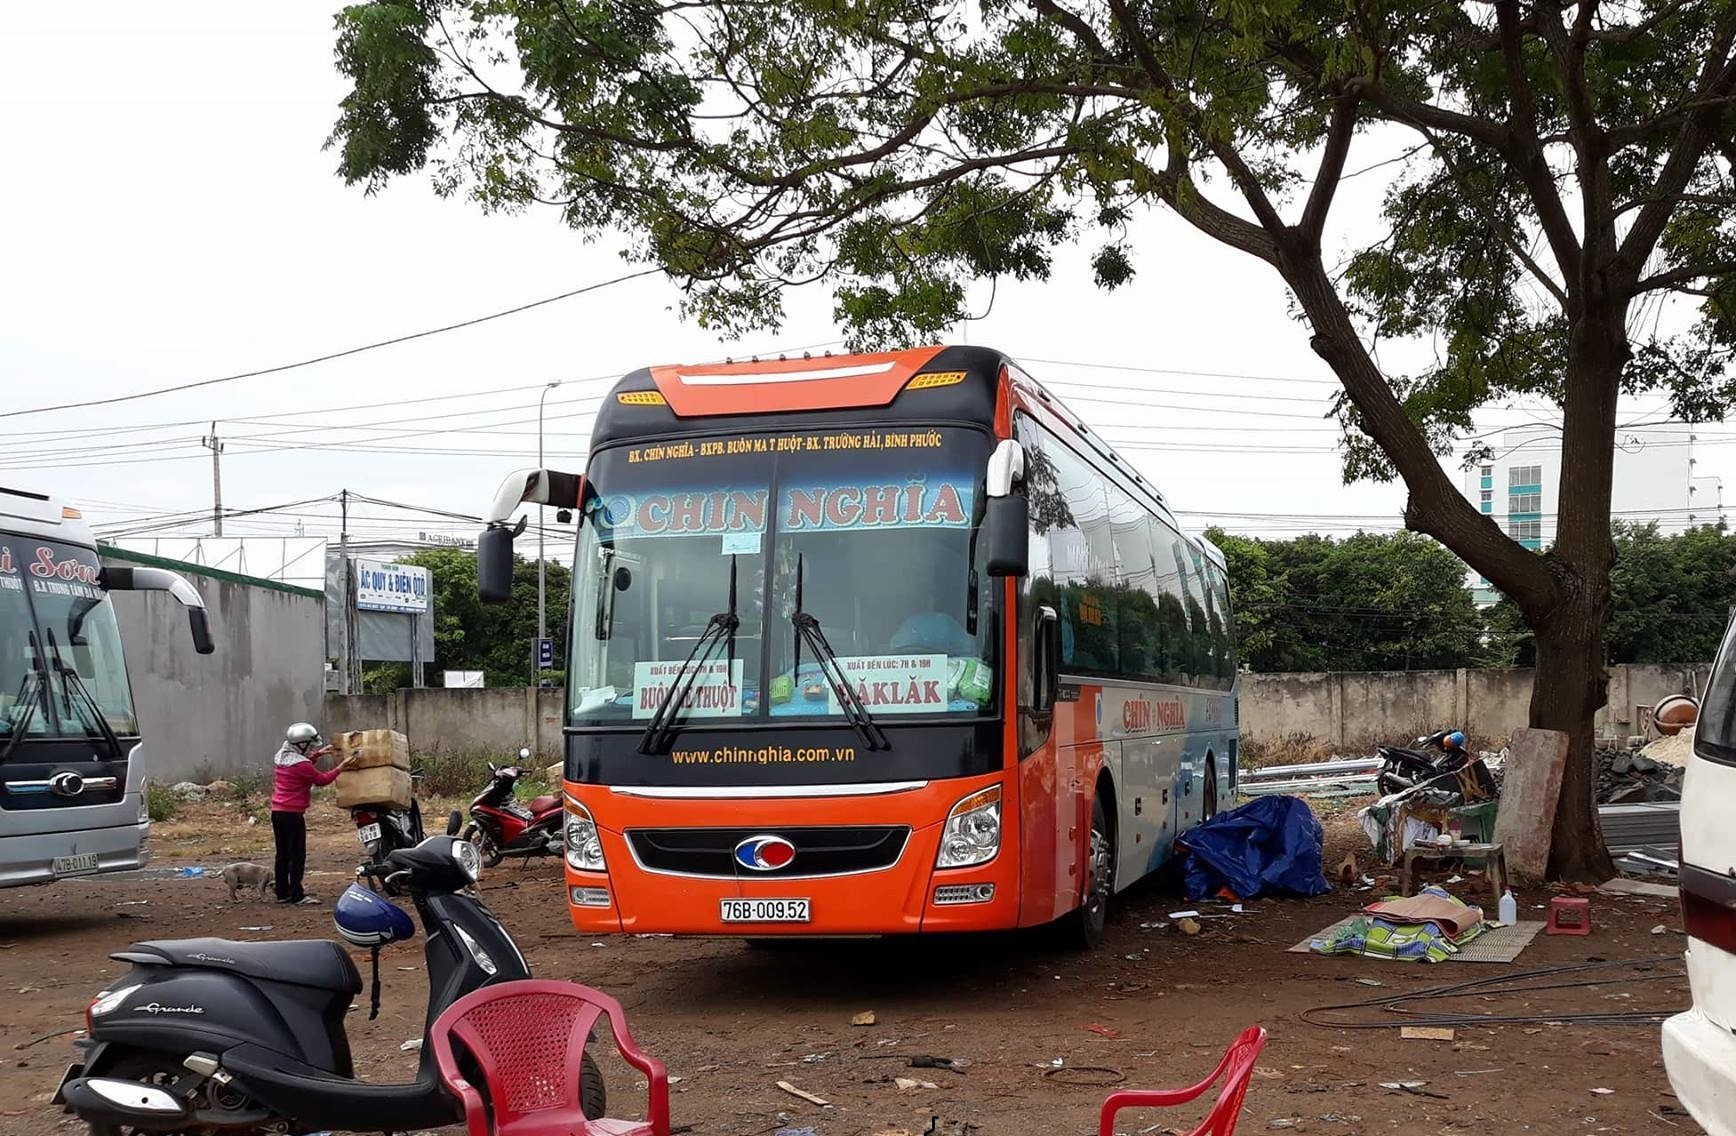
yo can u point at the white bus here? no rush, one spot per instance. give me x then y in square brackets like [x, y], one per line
[72, 792]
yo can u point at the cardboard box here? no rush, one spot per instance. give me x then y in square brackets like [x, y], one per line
[374, 749]
[378, 785]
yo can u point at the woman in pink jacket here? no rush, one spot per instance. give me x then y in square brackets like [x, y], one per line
[296, 776]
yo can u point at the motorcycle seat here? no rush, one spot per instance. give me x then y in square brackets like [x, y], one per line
[544, 803]
[319, 963]
[1406, 751]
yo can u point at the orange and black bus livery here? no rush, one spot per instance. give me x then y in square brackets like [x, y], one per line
[873, 644]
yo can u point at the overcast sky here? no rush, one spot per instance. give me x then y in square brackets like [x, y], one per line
[168, 215]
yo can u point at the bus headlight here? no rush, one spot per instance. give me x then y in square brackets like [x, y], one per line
[584, 844]
[973, 831]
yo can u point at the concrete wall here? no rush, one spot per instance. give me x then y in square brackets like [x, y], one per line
[491, 720]
[1342, 712]
[1349, 712]
[222, 713]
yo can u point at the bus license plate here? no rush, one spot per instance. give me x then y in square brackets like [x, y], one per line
[368, 832]
[79, 865]
[766, 911]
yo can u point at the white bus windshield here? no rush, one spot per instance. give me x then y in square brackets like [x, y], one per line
[50, 591]
[871, 532]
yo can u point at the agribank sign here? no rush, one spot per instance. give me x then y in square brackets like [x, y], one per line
[384, 586]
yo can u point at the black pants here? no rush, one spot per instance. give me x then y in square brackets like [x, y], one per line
[289, 830]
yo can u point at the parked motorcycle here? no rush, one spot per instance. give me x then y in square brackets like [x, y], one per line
[383, 829]
[1404, 767]
[226, 1038]
[500, 826]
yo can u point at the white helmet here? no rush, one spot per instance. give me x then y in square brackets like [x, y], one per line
[301, 736]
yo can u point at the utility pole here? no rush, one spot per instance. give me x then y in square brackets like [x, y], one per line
[215, 445]
[541, 566]
[352, 677]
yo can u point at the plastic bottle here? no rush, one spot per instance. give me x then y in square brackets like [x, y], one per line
[1509, 909]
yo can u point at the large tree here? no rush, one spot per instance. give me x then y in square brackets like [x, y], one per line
[1568, 167]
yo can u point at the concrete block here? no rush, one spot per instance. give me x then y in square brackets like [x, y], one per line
[1530, 792]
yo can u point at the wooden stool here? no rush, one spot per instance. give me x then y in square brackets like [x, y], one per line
[1493, 856]
[1569, 916]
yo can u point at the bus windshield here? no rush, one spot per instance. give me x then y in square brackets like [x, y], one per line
[51, 589]
[871, 532]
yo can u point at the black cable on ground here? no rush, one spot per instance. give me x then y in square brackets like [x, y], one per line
[1502, 984]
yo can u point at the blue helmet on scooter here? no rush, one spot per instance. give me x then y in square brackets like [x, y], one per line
[366, 919]
[1453, 741]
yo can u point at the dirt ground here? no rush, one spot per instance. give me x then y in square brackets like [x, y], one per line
[1043, 1031]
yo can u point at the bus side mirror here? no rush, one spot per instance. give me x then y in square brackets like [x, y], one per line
[494, 562]
[1046, 663]
[199, 623]
[121, 579]
[1008, 515]
[1008, 520]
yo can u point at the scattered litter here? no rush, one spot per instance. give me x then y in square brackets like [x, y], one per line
[1425, 1033]
[905, 1084]
[1109, 1032]
[1134, 958]
[263, 927]
[1415, 1088]
[814, 1058]
[1660, 929]
[1455, 878]
[1187, 926]
[800, 1095]
[408, 968]
[414, 1045]
[1184, 915]
[1473, 1072]
[596, 944]
[135, 903]
[1368, 982]
[1604, 1092]
[189, 873]
[865, 1018]
[928, 1061]
[804, 1131]
[1097, 1076]
[1282, 1122]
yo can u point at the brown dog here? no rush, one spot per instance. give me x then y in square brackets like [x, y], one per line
[249, 876]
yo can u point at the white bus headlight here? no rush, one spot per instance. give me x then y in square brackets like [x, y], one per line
[584, 844]
[973, 831]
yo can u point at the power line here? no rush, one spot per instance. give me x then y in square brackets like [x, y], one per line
[280, 368]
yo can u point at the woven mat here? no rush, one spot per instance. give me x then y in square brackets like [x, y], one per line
[1502, 944]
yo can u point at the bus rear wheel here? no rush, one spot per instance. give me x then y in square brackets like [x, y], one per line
[1083, 928]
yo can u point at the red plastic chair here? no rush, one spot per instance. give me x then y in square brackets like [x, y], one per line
[528, 1038]
[1236, 1069]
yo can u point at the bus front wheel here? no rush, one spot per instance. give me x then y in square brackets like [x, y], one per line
[1083, 928]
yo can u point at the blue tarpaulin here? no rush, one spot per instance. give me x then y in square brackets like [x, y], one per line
[1269, 846]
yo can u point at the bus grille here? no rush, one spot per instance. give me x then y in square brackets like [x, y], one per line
[832, 851]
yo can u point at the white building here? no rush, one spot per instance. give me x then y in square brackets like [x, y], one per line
[1654, 482]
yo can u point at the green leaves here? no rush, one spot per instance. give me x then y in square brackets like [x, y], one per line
[1368, 602]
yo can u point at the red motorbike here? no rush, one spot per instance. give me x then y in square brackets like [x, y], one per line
[501, 827]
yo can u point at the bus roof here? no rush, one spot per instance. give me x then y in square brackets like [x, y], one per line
[923, 384]
[29, 513]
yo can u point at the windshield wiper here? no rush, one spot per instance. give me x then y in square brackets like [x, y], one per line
[721, 626]
[30, 691]
[808, 629]
[71, 684]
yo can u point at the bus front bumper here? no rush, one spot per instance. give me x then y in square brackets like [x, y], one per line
[34, 858]
[906, 896]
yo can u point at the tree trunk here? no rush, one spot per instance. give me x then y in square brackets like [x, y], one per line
[1569, 687]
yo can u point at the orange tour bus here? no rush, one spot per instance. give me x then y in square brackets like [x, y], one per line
[873, 644]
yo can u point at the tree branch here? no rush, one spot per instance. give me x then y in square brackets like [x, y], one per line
[1717, 81]
[1677, 277]
[1525, 153]
[1338, 136]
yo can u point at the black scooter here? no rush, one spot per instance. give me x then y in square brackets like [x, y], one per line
[216, 1037]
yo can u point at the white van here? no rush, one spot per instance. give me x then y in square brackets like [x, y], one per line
[1700, 1044]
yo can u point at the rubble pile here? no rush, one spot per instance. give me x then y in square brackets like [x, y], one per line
[1628, 778]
